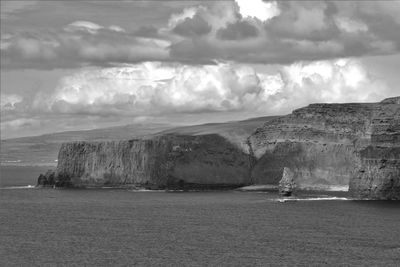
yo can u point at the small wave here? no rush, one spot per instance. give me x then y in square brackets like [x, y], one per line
[310, 199]
[332, 188]
[146, 190]
[18, 187]
[12, 161]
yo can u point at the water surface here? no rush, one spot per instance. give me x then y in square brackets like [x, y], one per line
[120, 227]
[20, 175]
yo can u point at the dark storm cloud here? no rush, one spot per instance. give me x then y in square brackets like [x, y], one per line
[237, 31]
[80, 46]
[303, 30]
[198, 33]
[195, 26]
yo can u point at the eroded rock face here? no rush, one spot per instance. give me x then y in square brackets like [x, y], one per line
[321, 143]
[377, 175]
[317, 142]
[166, 161]
[287, 184]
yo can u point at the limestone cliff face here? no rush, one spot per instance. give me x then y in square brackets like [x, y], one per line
[377, 175]
[164, 161]
[321, 143]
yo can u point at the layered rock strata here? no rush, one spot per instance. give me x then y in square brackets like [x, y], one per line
[207, 161]
[377, 175]
[317, 142]
[323, 143]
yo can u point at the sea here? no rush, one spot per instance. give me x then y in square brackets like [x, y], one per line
[120, 227]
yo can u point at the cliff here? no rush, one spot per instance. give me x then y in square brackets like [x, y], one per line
[323, 143]
[43, 149]
[164, 161]
[377, 175]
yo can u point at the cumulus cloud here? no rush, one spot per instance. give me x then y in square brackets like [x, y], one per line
[195, 26]
[155, 88]
[8, 101]
[342, 80]
[174, 92]
[285, 32]
[258, 9]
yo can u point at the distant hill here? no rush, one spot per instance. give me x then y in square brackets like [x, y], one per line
[235, 131]
[43, 149]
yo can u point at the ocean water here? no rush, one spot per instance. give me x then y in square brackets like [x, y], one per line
[20, 175]
[110, 227]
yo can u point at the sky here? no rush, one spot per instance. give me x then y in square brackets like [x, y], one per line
[76, 65]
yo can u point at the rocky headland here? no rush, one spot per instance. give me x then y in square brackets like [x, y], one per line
[324, 145]
[168, 161]
[333, 144]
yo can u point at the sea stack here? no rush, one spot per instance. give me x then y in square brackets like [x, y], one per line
[46, 179]
[286, 184]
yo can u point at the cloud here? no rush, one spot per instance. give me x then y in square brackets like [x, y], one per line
[80, 43]
[177, 18]
[258, 9]
[83, 26]
[8, 101]
[343, 80]
[299, 19]
[302, 30]
[9, 8]
[281, 32]
[173, 92]
[195, 26]
[350, 25]
[116, 28]
[156, 88]
[18, 124]
[146, 31]
[237, 31]
[90, 27]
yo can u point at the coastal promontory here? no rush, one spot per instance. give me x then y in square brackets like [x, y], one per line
[324, 145]
[173, 161]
